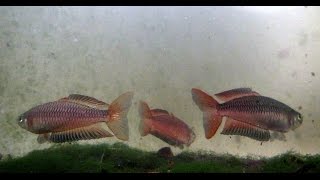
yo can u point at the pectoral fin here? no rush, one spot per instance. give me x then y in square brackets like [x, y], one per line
[233, 127]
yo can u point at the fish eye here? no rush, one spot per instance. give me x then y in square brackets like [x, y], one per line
[299, 118]
[22, 119]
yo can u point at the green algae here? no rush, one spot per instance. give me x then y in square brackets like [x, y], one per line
[120, 158]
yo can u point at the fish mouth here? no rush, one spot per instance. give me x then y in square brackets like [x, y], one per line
[296, 124]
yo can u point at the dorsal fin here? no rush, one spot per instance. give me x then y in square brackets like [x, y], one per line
[235, 93]
[233, 127]
[86, 100]
[94, 131]
[156, 112]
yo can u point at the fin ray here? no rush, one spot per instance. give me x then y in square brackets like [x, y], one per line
[235, 93]
[86, 101]
[118, 121]
[145, 114]
[233, 127]
[208, 105]
[211, 123]
[79, 134]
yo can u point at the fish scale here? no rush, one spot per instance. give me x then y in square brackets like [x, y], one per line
[78, 117]
[249, 114]
[255, 104]
[59, 114]
[164, 126]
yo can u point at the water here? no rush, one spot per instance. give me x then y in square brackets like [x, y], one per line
[160, 53]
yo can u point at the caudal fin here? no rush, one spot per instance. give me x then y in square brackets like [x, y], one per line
[118, 110]
[206, 103]
[145, 114]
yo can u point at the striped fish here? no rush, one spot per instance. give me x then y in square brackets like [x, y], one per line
[248, 114]
[78, 117]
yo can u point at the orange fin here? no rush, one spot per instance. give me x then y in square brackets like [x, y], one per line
[235, 93]
[211, 123]
[118, 110]
[208, 105]
[233, 127]
[155, 112]
[203, 100]
[86, 100]
[145, 115]
[94, 131]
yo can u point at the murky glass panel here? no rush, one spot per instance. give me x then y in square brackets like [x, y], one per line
[160, 54]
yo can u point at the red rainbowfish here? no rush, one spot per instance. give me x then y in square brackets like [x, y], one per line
[164, 126]
[78, 117]
[248, 114]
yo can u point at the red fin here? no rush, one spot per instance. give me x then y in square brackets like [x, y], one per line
[211, 123]
[235, 93]
[86, 100]
[118, 110]
[145, 114]
[233, 127]
[155, 112]
[94, 131]
[203, 100]
[211, 120]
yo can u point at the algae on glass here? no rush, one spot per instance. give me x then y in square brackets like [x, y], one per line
[119, 157]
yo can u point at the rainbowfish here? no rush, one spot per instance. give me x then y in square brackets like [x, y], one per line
[164, 126]
[78, 117]
[248, 114]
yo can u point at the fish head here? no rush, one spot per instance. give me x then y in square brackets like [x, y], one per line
[296, 120]
[22, 121]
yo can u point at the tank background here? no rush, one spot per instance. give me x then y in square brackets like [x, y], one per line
[160, 53]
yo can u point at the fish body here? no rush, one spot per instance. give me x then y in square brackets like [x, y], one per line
[164, 126]
[261, 111]
[248, 113]
[78, 117]
[61, 116]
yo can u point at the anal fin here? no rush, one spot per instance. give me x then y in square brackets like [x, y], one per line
[233, 127]
[94, 131]
[42, 138]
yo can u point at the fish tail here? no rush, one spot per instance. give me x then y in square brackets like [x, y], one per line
[208, 105]
[118, 110]
[145, 114]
